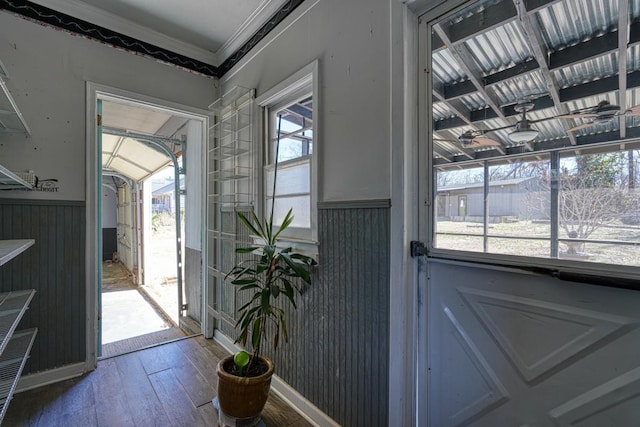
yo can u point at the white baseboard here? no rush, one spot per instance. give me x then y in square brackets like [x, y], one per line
[38, 379]
[306, 409]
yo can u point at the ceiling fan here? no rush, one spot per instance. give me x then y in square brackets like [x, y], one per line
[522, 130]
[604, 112]
[472, 139]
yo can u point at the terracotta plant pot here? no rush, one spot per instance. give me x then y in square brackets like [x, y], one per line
[243, 398]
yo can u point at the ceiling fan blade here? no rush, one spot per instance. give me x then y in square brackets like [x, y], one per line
[582, 126]
[576, 116]
[484, 141]
[634, 111]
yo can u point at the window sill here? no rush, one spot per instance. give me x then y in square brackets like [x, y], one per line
[610, 275]
[302, 246]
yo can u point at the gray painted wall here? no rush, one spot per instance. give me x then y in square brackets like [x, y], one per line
[48, 71]
[351, 41]
[55, 267]
[337, 354]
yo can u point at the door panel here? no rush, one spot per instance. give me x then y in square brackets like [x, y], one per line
[509, 349]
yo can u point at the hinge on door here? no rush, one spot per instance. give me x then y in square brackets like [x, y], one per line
[418, 249]
[184, 307]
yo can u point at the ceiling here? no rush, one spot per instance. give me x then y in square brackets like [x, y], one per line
[560, 55]
[207, 36]
[130, 137]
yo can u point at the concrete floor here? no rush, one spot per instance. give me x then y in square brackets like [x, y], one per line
[130, 318]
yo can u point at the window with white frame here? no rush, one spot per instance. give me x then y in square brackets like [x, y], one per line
[289, 155]
[535, 146]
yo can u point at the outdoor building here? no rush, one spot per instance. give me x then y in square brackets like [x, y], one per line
[509, 200]
[465, 174]
[163, 196]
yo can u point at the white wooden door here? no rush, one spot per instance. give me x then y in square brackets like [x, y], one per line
[512, 349]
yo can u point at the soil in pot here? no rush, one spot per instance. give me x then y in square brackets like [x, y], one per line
[257, 368]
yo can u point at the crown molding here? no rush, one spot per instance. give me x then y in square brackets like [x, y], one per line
[253, 23]
[118, 24]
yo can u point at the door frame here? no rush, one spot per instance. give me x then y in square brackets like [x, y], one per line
[95, 91]
[424, 199]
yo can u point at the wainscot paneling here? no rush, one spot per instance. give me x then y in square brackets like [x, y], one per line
[55, 267]
[193, 283]
[337, 354]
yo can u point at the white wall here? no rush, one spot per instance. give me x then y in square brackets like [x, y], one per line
[194, 186]
[351, 40]
[109, 207]
[48, 69]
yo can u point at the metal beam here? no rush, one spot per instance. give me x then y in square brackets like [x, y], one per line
[450, 123]
[481, 21]
[441, 153]
[623, 34]
[518, 70]
[464, 59]
[456, 107]
[533, 34]
[535, 5]
[597, 46]
[134, 135]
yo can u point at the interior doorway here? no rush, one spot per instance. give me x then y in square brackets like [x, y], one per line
[140, 150]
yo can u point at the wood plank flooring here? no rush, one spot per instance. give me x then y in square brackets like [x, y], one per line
[168, 385]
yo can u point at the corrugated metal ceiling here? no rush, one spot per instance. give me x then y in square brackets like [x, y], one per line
[562, 55]
[131, 157]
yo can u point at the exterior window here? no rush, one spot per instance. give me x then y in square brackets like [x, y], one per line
[291, 138]
[293, 147]
[574, 205]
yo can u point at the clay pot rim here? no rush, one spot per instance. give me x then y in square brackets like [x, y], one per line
[224, 374]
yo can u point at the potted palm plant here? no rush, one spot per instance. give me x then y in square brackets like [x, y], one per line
[272, 275]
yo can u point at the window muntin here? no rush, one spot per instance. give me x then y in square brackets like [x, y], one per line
[585, 209]
[296, 130]
[293, 146]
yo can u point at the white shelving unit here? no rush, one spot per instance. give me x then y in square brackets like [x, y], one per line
[232, 181]
[9, 249]
[9, 180]
[11, 120]
[15, 346]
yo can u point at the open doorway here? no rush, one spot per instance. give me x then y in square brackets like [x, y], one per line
[140, 288]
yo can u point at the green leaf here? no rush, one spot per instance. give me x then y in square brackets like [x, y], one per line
[262, 233]
[241, 360]
[265, 303]
[253, 299]
[257, 332]
[289, 292]
[248, 224]
[300, 271]
[269, 250]
[240, 282]
[305, 259]
[275, 291]
[285, 223]
[276, 337]
[246, 250]
[284, 326]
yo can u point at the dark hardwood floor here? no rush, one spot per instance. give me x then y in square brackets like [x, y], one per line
[168, 385]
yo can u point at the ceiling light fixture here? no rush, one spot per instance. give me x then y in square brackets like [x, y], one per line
[523, 131]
